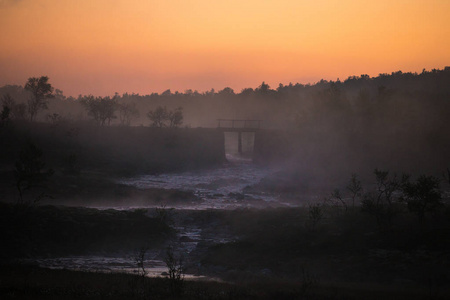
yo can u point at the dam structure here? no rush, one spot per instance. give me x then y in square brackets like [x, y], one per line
[239, 126]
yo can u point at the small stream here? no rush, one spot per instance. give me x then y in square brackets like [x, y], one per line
[186, 241]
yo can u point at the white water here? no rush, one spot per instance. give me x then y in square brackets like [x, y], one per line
[219, 188]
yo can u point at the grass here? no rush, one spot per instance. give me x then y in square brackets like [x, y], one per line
[57, 230]
[28, 282]
[275, 255]
[125, 151]
[345, 247]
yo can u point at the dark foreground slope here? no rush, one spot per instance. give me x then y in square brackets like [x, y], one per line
[25, 282]
[325, 244]
[49, 230]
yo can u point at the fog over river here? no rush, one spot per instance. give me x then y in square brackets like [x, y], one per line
[218, 188]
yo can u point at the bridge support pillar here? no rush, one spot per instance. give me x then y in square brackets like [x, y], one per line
[240, 142]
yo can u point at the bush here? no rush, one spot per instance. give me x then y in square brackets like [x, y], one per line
[383, 202]
[30, 173]
[315, 214]
[423, 195]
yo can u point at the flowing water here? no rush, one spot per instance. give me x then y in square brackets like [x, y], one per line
[220, 188]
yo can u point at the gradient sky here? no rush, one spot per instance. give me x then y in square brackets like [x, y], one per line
[104, 46]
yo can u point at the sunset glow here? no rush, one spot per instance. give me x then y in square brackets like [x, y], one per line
[104, 46]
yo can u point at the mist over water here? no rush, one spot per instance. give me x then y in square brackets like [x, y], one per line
[219, 188]
[320, 188]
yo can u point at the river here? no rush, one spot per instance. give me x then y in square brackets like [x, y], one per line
[218, 188]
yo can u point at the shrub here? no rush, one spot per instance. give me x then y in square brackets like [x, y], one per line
[315, 214]
[423, 195]
[175, 268]
[383, 202]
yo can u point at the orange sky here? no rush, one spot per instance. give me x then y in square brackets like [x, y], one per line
[104, 46]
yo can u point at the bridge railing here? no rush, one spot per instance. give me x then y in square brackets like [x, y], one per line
[238, 124]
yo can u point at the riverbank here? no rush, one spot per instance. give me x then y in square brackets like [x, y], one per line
[44, 231]
[29, 282]
[262, 253]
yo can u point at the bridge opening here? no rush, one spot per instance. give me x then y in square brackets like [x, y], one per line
[239, 135]
[232, 143]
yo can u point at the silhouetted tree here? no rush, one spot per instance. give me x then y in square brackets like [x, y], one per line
[158, 117]
[264, 88]
[41, 90]
[17, 111]
[175, 117]
[4, 116]
[226, 92]
[127, 112]
[166, 93]
[7, 103]
[337, 200]
[210, 93]
[175, 267]
[54, 118]
[59, 94]
[423, 195]
[247, 92]
[139, 259]
[382, 203]
[102, 109]
[161, 117]
[315, 214]
[29, 172]
[355, 188]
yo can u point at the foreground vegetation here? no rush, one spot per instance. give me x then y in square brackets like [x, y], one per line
[31, 231]
[342, 248]
[393, 234]
[28, 282]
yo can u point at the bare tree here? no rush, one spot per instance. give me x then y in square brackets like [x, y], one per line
[382, 203]
[315, 214]
[161, 117]
[139, 259]
[54, 119]
[30, 173]
[4, 116]
[127, 112]
[175, 267]
[355, 188]
[337, 200]
[158, 117]
[41, 90]
[175, 117]
[17, 111]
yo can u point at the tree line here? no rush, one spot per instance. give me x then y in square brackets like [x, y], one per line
[102, 109]
[360, 100]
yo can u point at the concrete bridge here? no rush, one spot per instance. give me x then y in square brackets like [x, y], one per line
[239, 126]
